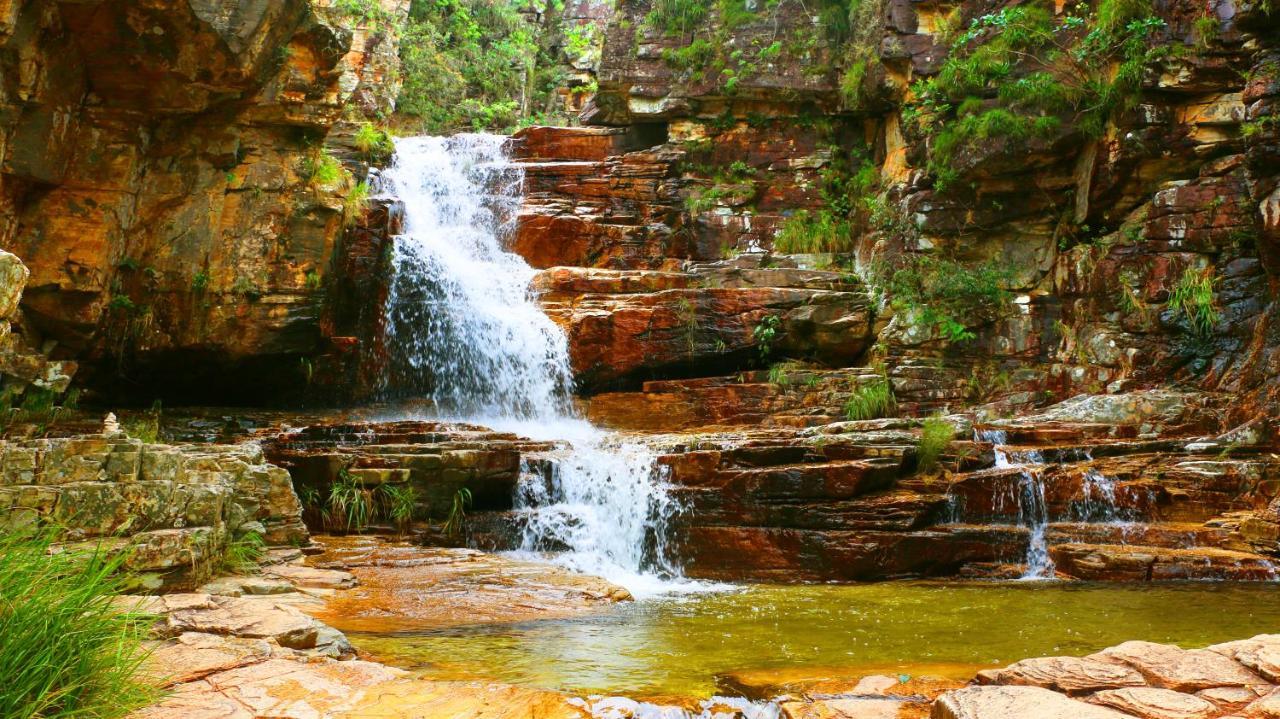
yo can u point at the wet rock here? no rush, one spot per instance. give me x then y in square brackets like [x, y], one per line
[997, 702]
[1070, 675]
[1260, 654]
[406, 587]
[845, 708]
[311, 577]
[249, 617]
[1181, 670]
[1150, 703]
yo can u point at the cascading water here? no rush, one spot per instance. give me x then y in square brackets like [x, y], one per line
[463, 328]
[1029, 498]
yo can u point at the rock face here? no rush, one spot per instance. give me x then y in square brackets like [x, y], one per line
[158, 165]
[176, 507]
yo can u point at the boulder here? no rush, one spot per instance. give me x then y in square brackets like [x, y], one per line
[13, 278]
[997, 702]
[1184, 670]
[1151, 703]
[1070, 675]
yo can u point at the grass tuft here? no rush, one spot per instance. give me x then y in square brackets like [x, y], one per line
[871, 401]
[66, 650]
[935, 437]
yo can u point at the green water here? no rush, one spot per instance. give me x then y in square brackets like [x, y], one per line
[678, 646]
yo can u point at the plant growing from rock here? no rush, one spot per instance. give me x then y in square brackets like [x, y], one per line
[454, 523]
[146, 426]
[350, 505]
[947, 296]
[242, 553]
[871, 401]
[67, 650]
[764, 334]
[935, 437]
[399, 505]
[1192, 297]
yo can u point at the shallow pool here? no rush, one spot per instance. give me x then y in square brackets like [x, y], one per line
[678, 646]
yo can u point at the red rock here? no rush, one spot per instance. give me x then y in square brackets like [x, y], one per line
[1182, 670]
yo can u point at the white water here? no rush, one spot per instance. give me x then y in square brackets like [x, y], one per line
[463, 329]
[1029, 497]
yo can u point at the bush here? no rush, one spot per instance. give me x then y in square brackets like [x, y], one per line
[1193, 298]
[871, 401]
[65, 649]
[935, 437]
[947, 296]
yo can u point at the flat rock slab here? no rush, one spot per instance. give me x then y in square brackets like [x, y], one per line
[310, 577]
[1152, 703]
[845, 708]
[1183, 670]
[415, 699]
[246, 617]
[276, 688]
[1070, 675]
[987, 702]
[190, 657]
[404, 587]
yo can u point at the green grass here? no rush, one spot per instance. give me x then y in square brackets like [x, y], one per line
[145, 427]
[1192, 297]
[322, 169]
[349, 506]
[66, 651]
[948, 296]
[935, 437]
[871, 401]
[457, 518]
[677, 17]
[243, 553]
[399, 504]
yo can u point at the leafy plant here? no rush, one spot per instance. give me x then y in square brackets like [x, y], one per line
[454, 523]
[1193, 297]
[200, 282]
[322, 169]
[67, 650]
[947, 296]
[778, 374]
[935, 437]
[764, 334]
[871, 401]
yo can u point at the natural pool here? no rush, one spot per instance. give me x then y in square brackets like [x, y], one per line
[678, 646]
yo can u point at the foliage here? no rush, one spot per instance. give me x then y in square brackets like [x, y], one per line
[817, 232]
[945, 295]
[354, 203]
[66, 650]
[1023, 71]
[677, 17]
[871, 401]
[479, 64]
[200, 281]
[764, 334]
[375, 143]
[457, 512]
[400, 505]
[243, 553]
[935, 437]
[778, 374]
[1192, 297]
[146, 426]
[350, 505]
[322, 169]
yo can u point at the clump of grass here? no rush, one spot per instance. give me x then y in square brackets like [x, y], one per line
[66, 650]
[822, 231]
[400, 505]
[935, 437]
[677, 17]
[871, 401]
[353, 204]
[457, 518]
[778, 374]
[322, 169]
[243, 553]
[1192, 296]
[350, 505]
[373, 142]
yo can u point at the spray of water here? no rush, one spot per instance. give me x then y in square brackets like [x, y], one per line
[464, 330]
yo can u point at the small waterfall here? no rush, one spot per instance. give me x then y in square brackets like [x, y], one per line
[1029, 498]
[463, 329]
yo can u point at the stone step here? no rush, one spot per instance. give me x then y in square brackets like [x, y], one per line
[1131, 562]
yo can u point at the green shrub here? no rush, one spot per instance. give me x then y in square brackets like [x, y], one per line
[399, 505]
[818, 232]
[373, 142]
[947, 296]
[764, 334]
[677, 17]
[871, 401]
[66, 650]
[322, 169]
[935, 437]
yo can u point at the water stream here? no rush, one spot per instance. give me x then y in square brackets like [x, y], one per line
[465, 331]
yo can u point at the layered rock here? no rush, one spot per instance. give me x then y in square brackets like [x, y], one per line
[175, 508]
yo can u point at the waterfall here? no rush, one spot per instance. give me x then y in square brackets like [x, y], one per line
[1029, 498]
[463, 329]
